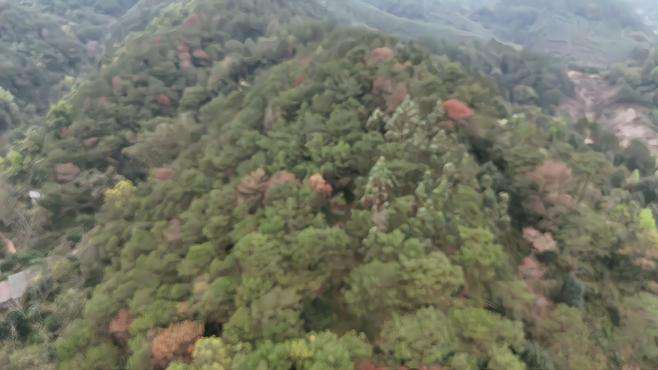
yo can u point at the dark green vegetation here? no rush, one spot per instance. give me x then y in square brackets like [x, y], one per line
[523, 77]
[46, 45]
[243, 186]
[36, 55]
[637, 81]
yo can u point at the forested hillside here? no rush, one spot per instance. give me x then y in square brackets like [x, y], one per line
[37, 54]
[46, 45]
[250, 184]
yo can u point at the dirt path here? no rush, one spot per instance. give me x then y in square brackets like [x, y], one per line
[594, 100]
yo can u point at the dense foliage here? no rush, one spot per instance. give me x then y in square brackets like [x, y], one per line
[46, 45]
[36, 54]
[242, 186]
[522, 77]
[638, 79]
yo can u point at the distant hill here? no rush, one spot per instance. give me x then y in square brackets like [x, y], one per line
[589, 32]
[413, 20]
[584, 31]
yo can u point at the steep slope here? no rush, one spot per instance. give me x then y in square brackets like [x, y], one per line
[47, 45]
[623, 99]
[71, 192]
[525, 77]
[80, 149]
[36, 55]
[597, 100]
[244, 187]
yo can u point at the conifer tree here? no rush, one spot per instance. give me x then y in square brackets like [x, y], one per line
[404, 122]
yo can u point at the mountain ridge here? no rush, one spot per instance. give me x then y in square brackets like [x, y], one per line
[253, 185]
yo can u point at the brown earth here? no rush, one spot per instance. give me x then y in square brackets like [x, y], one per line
[595, 101]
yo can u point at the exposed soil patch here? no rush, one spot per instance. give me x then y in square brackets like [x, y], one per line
[595, 101]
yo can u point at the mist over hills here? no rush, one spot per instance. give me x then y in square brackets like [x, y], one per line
[587, 32]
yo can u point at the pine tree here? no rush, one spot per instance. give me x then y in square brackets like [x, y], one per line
[573, 292]
[378, 192]
[380, 185]
[404, 122]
